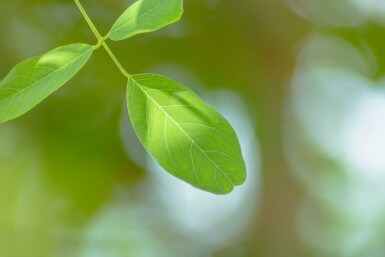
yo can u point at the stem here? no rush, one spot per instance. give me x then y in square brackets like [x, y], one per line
[101, 40]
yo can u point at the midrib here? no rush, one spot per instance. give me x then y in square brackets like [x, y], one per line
[176, 123]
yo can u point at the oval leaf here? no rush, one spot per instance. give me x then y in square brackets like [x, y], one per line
[186, 136]
[146, 16]
[29, 82]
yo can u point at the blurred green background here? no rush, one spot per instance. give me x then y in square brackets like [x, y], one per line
[302, 82]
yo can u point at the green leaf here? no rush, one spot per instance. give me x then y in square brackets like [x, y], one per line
[146, 16]
[29, 82]
[185, 135]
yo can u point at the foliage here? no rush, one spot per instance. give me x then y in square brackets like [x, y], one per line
[184, 135]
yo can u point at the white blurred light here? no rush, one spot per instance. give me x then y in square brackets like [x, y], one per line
[131, 229]
[339, 145]
[340, 13]
[364, 141]
[374, 9]
[324, 100]
[336, 13]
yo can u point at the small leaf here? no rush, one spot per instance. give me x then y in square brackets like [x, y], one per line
[146, 16]
[32, 80]
[186, 136]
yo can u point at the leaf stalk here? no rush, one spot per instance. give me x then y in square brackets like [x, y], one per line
[101, 40]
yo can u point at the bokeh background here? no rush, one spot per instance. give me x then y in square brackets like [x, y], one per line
[301, 81]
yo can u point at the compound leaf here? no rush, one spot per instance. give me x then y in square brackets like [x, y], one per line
[185, 135]
[146, 16]
[32, 80]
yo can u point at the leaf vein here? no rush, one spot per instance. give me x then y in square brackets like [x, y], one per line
[187, 135]
[137, 17]
[48, 75]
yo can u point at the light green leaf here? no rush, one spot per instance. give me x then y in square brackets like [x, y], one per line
[146, 16]
[186, 136]
[29, 82]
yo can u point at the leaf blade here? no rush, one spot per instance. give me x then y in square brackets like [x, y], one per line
[186, 136]
[146, 16]
[32, 80]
